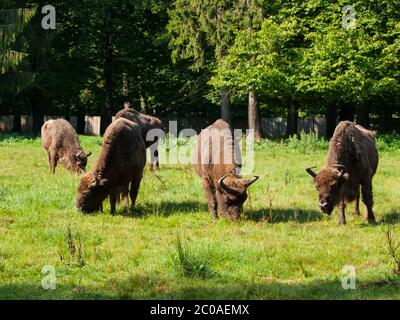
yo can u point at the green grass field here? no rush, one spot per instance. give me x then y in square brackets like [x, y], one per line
[170, 248]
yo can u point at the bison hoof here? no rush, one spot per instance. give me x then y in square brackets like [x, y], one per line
[372, 222]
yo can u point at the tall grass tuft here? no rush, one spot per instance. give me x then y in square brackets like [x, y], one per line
[189, 262]
[394, 249]
[307, 143]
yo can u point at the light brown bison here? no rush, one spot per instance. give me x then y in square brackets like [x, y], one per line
[61, 142]
[120, 164]
[352, 162]
[146, 123]
[214, 161]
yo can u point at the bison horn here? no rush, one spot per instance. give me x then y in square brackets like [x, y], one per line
[79, 154]
[227, 188]
[340, 166]
[89, 154]
[311, 172]
[251, 181]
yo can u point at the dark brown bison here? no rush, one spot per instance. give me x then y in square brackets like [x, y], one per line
[120, 164]
[146, 123]
[214, 161]
[352, 162]
[61, 142]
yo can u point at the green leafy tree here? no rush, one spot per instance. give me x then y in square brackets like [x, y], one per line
[203, 32]
[12, 23]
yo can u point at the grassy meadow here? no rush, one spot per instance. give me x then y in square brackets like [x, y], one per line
[170, 248]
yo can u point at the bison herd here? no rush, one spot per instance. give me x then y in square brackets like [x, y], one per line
[350, 166]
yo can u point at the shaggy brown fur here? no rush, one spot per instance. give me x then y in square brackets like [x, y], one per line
[146, 123]
[352, 162]
[215, 163]
[120, 164]
[61, 142]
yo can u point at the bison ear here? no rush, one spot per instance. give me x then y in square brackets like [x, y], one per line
[345, 176]
[95, 181]
[103, 182]
[342, 176]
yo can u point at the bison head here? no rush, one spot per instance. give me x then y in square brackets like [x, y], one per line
[91, 193]
[233, 194]
[81, 161]
[328, 183]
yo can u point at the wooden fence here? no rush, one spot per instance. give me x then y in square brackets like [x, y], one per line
[272, 127]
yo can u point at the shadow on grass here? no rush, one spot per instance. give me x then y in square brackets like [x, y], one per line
[62, 292]
[284, 215]
[145, 286]
[390, 218]
[164, 209]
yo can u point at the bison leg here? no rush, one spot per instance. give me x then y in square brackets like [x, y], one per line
[357, 208]
[49, 160]
[125, 191]
[53, 158]
[211, 197]
[366, 190]
[154, 157]
[342, 213]
[135, 184]
[113, 200]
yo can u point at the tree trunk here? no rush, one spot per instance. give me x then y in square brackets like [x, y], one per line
[17, 123]
[330, 120]
[363, 115]
[255, 116]
[386, 120]
[106, 118]
[37, 114]
[226, 108]
[143, 105]
[80, 125]
[347, 112]
[292, 117]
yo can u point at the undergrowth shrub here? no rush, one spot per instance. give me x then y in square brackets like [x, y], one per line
[307, 143]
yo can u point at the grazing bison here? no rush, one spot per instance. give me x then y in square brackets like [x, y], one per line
[61, 142]
[214, 161]
[120, 164]
[352, 162]
[146, 123]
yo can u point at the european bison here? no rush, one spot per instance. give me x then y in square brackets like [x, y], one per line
[146, 123]
[61, 142]
[214, 162]
[120, 164]
[352, 161]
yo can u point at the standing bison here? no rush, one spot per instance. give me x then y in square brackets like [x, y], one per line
[120, 164]
[146, 123]
[214, 162]
[352, 162]
[61, 142]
